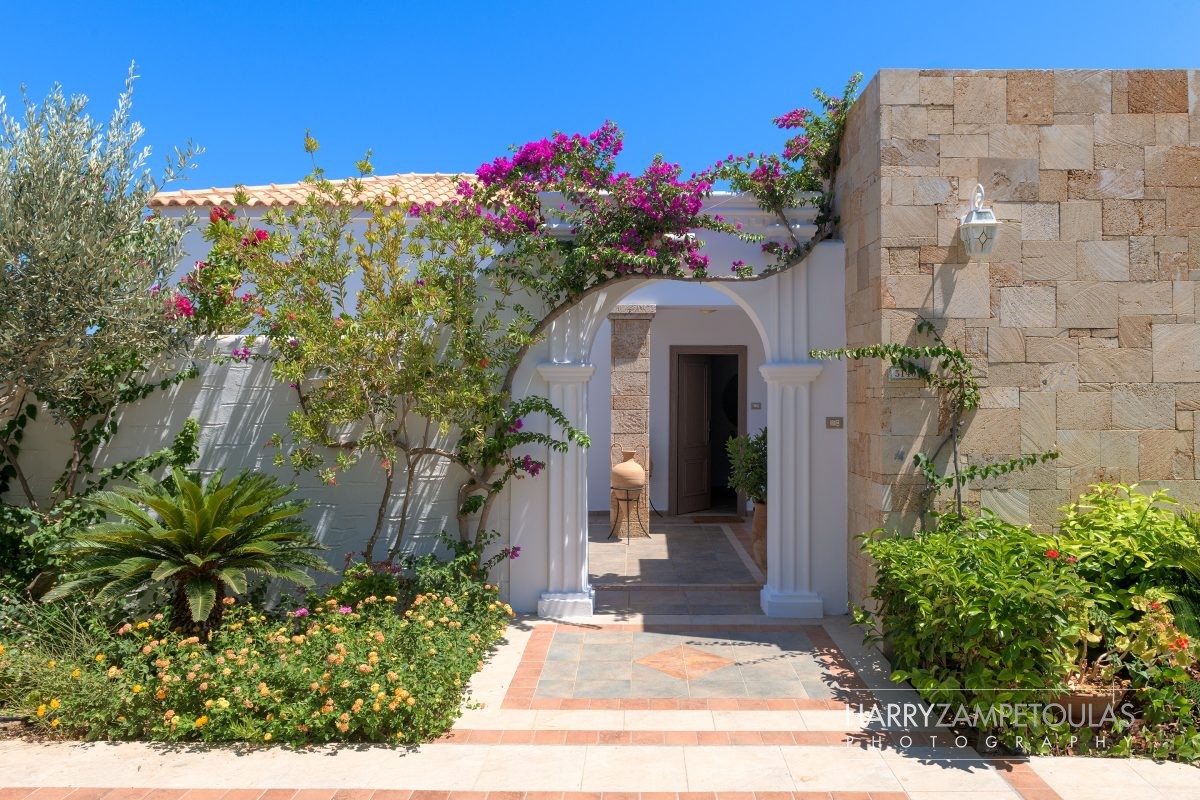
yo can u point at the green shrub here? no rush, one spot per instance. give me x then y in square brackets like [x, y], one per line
[978, 611]
[201, 539]
[748, 465]
[319, 674]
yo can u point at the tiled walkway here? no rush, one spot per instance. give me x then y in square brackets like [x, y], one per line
[755, 710]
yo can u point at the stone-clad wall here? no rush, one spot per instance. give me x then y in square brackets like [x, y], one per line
[1082, 323]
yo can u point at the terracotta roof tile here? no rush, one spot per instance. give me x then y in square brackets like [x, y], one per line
[411, 187]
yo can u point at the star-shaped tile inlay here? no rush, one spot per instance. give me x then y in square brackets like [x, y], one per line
[684, 662]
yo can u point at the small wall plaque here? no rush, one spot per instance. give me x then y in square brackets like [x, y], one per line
[836, 423]
[756, 406]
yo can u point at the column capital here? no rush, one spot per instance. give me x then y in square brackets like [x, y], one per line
[565, 372]
[634, 311]
[791, 373]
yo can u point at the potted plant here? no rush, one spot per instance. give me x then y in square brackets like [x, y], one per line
[748, 475]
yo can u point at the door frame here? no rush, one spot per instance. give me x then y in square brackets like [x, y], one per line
[676, 350]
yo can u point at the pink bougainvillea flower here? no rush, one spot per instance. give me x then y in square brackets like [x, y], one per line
[300, 612]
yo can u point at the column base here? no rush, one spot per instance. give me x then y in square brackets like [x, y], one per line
[791, 605]
[566, 605]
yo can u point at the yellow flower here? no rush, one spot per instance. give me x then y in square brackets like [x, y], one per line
[266, 737]
[51, 663]
[222, 702]
[99, 657]
[141, 626]
[53, 723]
[1, 649]
[54, 703]
[41, 710]
[137, 687]
[201, 720]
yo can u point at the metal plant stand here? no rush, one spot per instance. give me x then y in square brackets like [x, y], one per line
[628, 500]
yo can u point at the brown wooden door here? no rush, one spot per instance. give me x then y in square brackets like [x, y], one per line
[692, 408]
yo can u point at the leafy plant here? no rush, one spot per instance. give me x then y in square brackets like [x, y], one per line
[948, 372]
[976, 612]
[85, 317]
[748, 465]
[201, 538]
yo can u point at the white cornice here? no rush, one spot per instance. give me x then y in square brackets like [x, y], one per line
[791, 373]
[565, 372]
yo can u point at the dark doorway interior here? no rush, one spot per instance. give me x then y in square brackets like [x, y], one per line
[708, 398]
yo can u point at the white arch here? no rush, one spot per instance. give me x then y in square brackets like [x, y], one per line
[792, 312]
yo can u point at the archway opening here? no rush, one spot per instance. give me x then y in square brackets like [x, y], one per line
[677, 375]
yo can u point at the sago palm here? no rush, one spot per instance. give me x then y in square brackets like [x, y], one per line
[202, 539]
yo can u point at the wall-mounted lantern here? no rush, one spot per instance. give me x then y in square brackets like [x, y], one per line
[979, 227]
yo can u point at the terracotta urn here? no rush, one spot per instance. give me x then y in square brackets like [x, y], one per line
[758, 535]
[628, 474]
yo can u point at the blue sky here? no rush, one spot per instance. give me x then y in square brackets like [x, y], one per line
[441, 86]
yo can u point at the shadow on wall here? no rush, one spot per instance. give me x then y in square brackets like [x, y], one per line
[240, 407]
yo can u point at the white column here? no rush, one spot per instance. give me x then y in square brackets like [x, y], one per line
[568, 593]
[789, 588]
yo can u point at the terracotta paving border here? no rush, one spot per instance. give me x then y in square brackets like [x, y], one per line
[62, 793]
[1024, 781]
[520, 694]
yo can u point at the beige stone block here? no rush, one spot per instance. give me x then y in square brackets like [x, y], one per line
[1083, 411]
[1058, 377]
[1039, 222]
[1193, 91]
[992, 431]
[1011, 505]
[1066, 147]
[1114, 365]
[631, 383]
[1009, 179]
[1175, 351]
[909, 153]
[1133, 331]
[973, 145]
[1005, 345]
[1165, 455]
[1183, 298]
[903, 257]
[923, 191]
[1156, 166]
[1124, 129]
[1142, 259]
[1170, 129]
[907, 291]
[1143, 406]
[906, 122]
[1124, 157]
[962, 291]
[1013, 141]
[1052, 186]
[625, 402]
[631, 364]
[1087, 304]
[1144, 298]
[1030, 97]
[1079, 449]
[1104, 260]
[1082, 91]
[1000, 397]
[1019, 374]
[1049, 349]
[1027, 307]
[1052, 261]
[1038, 430]
[912, 225]
[1119, 452]
[1098, 184]
[1183, 207]
[980, 99]
[899, 87]
[630, 421]
[905, 416]
[936, 90]
[1158, 91]
[1133, 217]
[941, 120]
[1080, 220]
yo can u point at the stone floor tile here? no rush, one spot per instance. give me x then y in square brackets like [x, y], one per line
[828, 768]
[634, 769]
[737, 768]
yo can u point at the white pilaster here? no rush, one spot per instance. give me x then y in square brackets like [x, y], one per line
[789, 588]
[568, 593]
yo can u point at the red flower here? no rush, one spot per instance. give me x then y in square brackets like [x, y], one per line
[1051, 554]
[261, 235]
[483, 363]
